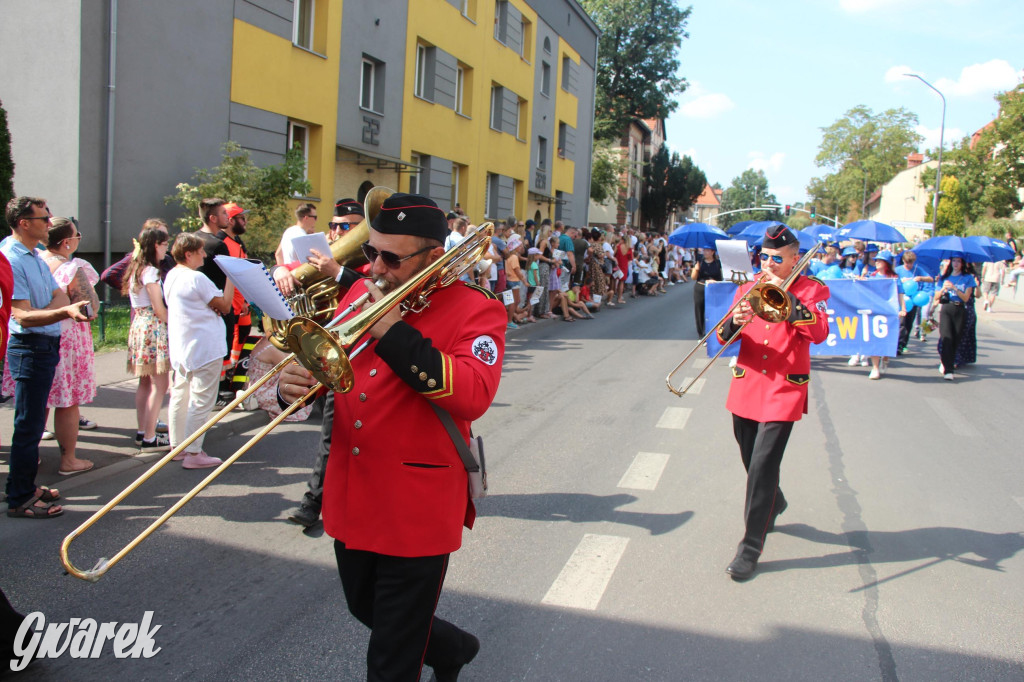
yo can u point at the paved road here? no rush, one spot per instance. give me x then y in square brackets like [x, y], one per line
[600, 554]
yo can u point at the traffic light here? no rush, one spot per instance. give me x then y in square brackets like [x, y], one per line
[787, 210]
[813, 214]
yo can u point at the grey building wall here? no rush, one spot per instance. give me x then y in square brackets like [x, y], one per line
[436, 180]
[442, 78]
[376, 29]
[543, 109]
[263, 133]
[273, 16]
[39, 88]
[583, 139]
[567, 19]
[506, 190]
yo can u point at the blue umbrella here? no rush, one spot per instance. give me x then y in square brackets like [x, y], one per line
[754, 230]
[823, 233]
[736, 228]
[872, 231]
[696, 236]
[998, 250]
[950, 246]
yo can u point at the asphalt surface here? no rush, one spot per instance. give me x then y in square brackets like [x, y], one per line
[899, 557]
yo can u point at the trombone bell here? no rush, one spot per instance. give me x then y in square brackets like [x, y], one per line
[321, 354]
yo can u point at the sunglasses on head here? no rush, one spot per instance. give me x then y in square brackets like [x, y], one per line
[775, 259]
[391, 260]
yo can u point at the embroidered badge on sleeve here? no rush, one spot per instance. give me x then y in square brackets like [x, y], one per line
[821, 306]
[485, 350]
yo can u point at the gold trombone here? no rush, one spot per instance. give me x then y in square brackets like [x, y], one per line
[325, 352]
[768, 301]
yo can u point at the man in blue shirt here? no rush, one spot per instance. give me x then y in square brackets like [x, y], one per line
[37, 307]
[908, 272]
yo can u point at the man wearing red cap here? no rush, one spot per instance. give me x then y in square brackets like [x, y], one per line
[395, 495]
[238, 221]
[769, 386]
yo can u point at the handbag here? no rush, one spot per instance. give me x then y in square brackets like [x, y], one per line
[472, 455]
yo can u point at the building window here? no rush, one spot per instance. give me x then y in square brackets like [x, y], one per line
[460, 87]
[302, 23]
[567, 67]
[547, 45]
[371, 86]
[298, 136]
[500, 17]
[456, 183]
[542, 153]
[562, 134]
[527, 39]
[497, 94]
[420, 87]
[545, 79]
[489, 194]
[521, 119]
[414, 176]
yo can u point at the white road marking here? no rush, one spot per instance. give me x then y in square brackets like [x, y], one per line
[644, 472]
[698, 385]
[584, 578]
[674, 418]
[952, 418]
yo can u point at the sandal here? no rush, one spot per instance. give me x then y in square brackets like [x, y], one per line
[48, 494]
[32, 510]
[77, 471]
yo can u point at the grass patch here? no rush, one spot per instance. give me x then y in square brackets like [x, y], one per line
[110, 328]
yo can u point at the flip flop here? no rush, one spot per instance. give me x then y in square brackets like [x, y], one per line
[77, 471]
[30, 510]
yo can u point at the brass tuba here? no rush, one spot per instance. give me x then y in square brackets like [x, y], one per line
[318, 295]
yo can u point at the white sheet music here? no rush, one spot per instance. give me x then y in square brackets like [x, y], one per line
[251, 277]
[733, 253]
[305, 243]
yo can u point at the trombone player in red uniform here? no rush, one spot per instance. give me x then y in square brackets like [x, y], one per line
[395, 493]
[769, 386]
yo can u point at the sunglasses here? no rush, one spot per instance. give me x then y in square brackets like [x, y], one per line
[775, 259]
[341, 226]
[390, 260]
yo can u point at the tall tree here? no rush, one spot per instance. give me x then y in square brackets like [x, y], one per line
[749, 189]
[863, 151]
[991, 168]
[672, 183]
[6, 161]
[636, 60]
[952, 211]
[607, 167]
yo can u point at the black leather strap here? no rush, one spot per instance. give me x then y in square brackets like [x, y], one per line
[449, 425]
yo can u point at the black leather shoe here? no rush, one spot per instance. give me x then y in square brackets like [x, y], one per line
[741, 568]
[777, 514]
[452, 674]
[304, 516]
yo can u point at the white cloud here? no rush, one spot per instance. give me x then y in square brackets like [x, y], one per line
[931, 137]
[897, 74]
[691, 152]
[707, 106]
[982, 79]
[758, 161]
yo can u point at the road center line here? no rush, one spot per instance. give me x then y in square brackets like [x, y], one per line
[584, 578]
[952, 418]
[645, 471]
[674, 418]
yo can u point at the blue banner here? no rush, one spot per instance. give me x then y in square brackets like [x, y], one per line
[862, 316]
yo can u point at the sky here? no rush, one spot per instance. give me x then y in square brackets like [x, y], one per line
[766, 77]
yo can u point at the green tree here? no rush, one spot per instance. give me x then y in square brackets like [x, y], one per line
[749, 189]
[6, 161]
[952, 211]
[862, 151]
[672, 183]
[636, 60]
[264, 191]
[606, 172]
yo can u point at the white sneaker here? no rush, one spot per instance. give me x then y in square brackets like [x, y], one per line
[854, 360]
[947, 377]
[942, 370]
[47, 435]
[875, 374]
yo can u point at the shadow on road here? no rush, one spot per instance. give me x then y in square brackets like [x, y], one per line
[579, 508]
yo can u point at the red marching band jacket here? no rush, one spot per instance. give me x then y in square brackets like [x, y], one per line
[395, 483]
[773, 369]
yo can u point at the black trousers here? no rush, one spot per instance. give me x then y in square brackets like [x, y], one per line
[907, 326]
[698, 307]
[395, 597]
[952, 318]
[313, 498]
[10, 621]
[762, 445]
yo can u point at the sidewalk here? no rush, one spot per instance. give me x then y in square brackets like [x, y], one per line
[111, 444]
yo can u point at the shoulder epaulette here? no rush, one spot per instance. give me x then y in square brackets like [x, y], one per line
[815, 279]
[486, 292]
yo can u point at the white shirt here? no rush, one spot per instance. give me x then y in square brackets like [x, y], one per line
[287, 250]
[195, 333]
[140, 298]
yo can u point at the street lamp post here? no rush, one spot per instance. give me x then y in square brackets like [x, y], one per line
[938, 171]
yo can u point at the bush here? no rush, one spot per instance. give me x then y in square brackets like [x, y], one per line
[110, 328]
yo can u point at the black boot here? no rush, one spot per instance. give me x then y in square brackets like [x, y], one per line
[451, 674]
